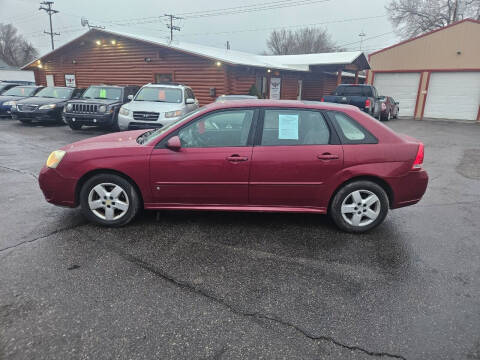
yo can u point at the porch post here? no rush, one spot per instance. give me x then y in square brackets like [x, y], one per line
[356, 77]
[339, 77]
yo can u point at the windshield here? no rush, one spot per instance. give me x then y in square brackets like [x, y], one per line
[160, 94]
[154, 134]
[102, 92]
[20, 91]
[55, 92]
[353, 91]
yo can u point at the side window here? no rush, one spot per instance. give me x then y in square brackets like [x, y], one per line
[350, 131]
[190, 94]
[219, 129]
[294, 127]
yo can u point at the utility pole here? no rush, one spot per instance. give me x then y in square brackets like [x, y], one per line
[228, 45]
[362, 35]
[171, 26]
[48, 9]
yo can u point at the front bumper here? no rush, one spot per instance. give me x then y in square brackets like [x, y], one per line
[126, 122]
[5, 110]
[51, 115]
[409, 189]
[89, 119]
[57, 189]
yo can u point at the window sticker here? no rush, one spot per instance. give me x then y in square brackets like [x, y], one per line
[161, 94]
[103, 94]
[288, 126]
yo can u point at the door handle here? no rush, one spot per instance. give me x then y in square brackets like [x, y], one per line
[237, 158]
[327, 156]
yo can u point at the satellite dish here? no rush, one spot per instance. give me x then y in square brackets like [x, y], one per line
[84, 22]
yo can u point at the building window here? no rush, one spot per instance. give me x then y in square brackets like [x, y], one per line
[163, 78]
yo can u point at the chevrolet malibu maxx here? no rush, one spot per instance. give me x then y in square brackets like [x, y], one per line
[252, 155]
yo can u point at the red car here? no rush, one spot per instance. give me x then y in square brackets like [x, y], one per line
[252, 155]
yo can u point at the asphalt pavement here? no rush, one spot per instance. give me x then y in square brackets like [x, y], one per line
[211, 285]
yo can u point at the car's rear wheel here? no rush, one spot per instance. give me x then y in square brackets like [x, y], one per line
[359, 206]
[75, 126]
[109, 199]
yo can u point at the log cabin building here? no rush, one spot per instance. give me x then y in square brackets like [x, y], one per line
[110, 57]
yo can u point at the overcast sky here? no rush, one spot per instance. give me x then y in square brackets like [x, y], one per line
[247, 31]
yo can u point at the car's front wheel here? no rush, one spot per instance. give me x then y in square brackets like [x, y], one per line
[109, 199]
[359, 206]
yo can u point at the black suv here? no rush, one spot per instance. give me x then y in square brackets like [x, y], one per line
[45, 106]
[98, 106]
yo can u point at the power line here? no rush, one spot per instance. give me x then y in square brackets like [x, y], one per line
[284, 27]
[48, 9]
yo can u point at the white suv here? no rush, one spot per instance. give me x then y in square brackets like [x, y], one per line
[156, 105]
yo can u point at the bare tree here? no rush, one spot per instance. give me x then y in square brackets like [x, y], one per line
[414, 17]
[14, 49]
[303, 41]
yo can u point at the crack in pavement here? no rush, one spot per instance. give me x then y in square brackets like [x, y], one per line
[24, 172]
[192, 288]
[42, 237]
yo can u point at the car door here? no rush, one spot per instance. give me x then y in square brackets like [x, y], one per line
[211, 167]
[295, 155]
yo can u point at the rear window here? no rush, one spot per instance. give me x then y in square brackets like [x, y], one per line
[350, 131]
[353, 91]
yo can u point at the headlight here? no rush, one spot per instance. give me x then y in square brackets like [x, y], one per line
[69, 107]
[9, 103]
[55, 158]
[46, 107]
[171, 114]
[124, 111]
[102, 108]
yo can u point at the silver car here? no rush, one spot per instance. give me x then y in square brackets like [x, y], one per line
[156, 105]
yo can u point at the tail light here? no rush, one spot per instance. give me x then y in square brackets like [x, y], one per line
[322, 99]
[417, 164]
[367, 103]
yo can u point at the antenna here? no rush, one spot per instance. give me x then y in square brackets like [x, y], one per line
[84, 22]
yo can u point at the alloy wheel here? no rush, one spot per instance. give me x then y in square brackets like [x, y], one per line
[360, 208]
[108, 201]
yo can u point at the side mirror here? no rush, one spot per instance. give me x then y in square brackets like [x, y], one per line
[397, 103]
[190, 101]
[174, 143]
[130, 97]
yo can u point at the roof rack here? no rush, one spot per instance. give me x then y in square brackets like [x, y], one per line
[167, 83]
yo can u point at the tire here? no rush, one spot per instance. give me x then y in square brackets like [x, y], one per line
[367, 216]
[75, 126]
[106, 211]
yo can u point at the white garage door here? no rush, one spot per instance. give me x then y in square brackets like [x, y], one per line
[453, 96]
[403, 87]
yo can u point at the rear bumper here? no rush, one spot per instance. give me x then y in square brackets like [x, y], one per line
[408, 189]
[57, 189]
[89, 119]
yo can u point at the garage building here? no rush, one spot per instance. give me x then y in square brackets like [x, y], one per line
[117, 58]
[435, 75]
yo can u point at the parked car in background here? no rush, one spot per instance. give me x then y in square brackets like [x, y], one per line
[235, 97]
[157, 105]
[10, 97]
[286, 156]
[45, 106]
[389, 108]
[98, 106]
[4, 86]
[365, 97]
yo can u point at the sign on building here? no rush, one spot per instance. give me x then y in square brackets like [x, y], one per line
[70, 80]
[275, 84]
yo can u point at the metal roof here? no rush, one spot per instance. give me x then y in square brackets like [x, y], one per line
[234, 57]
